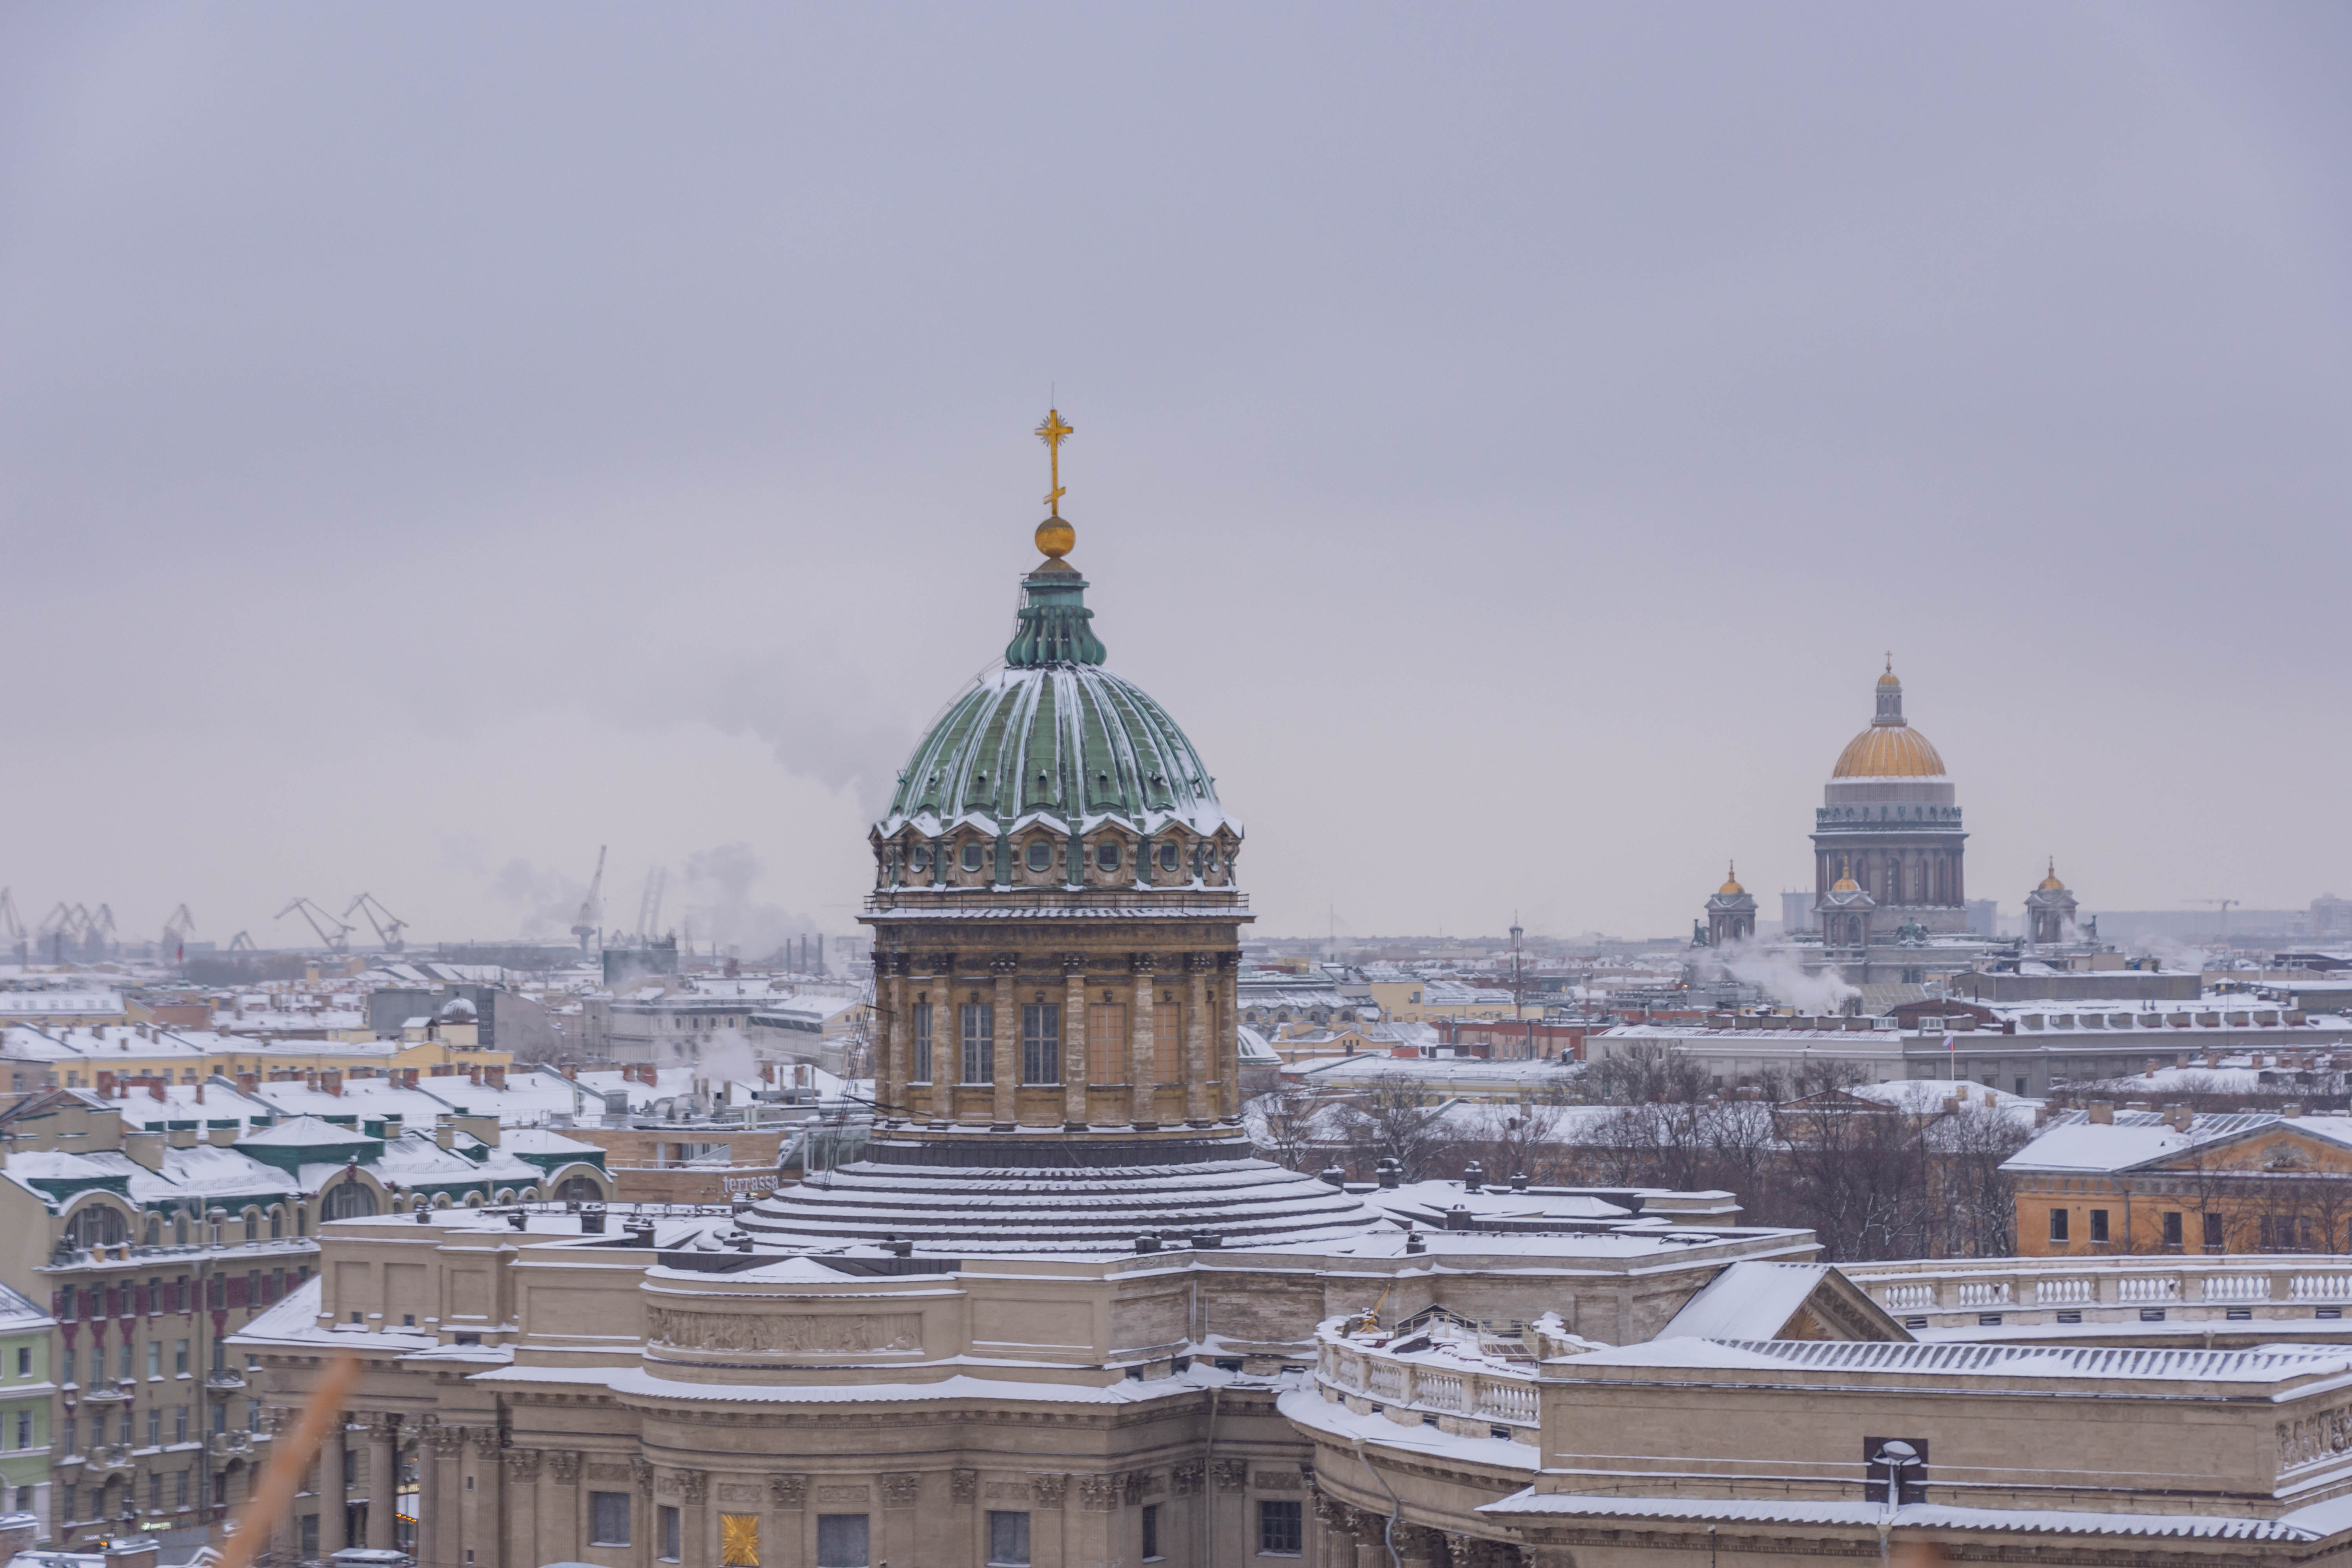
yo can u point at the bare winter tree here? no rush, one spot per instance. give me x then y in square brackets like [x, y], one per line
[1396, 1117]
[1521, 1139]
[1284, 1117]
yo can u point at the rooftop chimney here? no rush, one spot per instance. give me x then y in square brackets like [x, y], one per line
[2103, 1111]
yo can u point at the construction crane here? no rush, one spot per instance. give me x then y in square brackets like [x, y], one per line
[242, 942]
[2225, 906]
[388, 926]
[176, 930]
[12, 926]
[591, 908]
[62, 925]
[336, 940]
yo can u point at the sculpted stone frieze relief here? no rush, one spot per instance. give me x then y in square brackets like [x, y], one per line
[841, 1334]
[2321, 1437]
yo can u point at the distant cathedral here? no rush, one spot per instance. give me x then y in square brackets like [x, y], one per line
[1889, 826]
[1889, 852]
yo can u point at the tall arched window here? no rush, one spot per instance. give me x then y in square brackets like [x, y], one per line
[347, 1199]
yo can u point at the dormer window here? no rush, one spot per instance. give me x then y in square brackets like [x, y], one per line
[1040, 854]
[972, 853]
[919, 857]
[1169, 854]
[1106, 856]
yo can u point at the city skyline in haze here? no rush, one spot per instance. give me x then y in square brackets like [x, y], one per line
[437, 443]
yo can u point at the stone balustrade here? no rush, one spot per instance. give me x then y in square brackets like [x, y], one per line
[1498, 1398]
[2024, 1291]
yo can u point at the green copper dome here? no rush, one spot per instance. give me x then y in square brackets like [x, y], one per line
[1054, 739]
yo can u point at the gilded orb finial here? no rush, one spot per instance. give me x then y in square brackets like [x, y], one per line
[1055, 537]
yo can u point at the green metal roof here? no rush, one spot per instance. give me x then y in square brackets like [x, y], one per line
[1054, 737]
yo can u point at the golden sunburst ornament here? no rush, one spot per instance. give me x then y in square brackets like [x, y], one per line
[738, 1541]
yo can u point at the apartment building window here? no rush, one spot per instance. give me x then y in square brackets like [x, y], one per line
[23, 1361]
[841, 1540]
[978, 1042]
[922, 1042]
[1008, 1540]
[1041, 1043]
[608, 1519]
[180, 1425]
[2172, 1230]
[66, 1436]
[73, 1507]
[2098, 1227]
[2058, 1224]
[1279, 1527]
[180, 1489]
[66, 1362]
[668, 1549]
[2213, 1242]
[24, 1428]
[155, 1491]
[156, 1428]
[122, 1362]
[1152, 1530]
[155, 1358]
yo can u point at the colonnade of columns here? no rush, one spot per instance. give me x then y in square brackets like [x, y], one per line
[1112, 1081]
[1358, 1538]
[357, 1463]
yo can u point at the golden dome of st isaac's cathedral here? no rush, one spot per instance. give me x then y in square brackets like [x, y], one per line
[1890, 747]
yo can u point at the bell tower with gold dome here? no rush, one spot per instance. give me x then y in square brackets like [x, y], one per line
[1889, 822]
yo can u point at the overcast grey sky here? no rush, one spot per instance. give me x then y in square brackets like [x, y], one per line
[438, 440]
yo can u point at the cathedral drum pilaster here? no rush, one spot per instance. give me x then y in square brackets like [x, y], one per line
[1057, 820]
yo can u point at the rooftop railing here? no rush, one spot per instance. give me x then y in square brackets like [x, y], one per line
[2122, 1287]
[1499, 1398]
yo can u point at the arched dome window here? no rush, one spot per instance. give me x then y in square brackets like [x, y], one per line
[919, 857]
[1169, 856]
[971, 853]
[1106, 856]
[348, 1200]
[1040, 855]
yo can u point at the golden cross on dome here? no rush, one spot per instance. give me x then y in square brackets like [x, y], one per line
[1052, 432]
